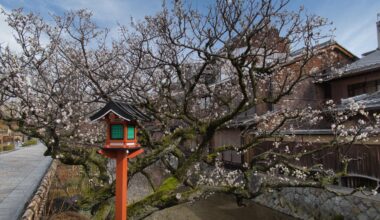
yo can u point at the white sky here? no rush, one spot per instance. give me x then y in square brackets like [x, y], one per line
[355, 20]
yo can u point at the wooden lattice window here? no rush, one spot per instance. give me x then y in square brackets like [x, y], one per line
[131, 132]
[364, 87]
[117, 132]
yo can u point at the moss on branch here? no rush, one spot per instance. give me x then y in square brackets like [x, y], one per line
[172, 192]
[163, 197]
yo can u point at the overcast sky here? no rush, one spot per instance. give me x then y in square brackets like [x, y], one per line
[354, 20]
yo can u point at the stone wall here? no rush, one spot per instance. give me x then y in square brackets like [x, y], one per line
[36, 205]
[316, 203]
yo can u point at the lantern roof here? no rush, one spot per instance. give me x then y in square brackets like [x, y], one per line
[122, 109]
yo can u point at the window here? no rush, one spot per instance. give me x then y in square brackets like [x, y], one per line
[356, 89]
[209, 78]
[117, 132]
[131, 132]
[372, 86]
[362, 88]
[205, 102]
[270, 106]
[327, 91]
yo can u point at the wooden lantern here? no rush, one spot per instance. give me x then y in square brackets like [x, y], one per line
[121, 134]
[121, 123]
[121, 144]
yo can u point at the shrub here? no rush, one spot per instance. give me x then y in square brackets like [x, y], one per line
[29, 142]
[8, 147]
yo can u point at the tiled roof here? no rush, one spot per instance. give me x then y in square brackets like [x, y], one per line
[370, 101]
[122, 109]
[367, 63]
[300, 52]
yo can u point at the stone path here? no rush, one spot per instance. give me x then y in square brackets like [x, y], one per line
[20, 174]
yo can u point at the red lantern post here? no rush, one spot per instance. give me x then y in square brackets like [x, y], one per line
[121, 145]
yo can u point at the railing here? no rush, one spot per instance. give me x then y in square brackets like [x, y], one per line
[353, 180]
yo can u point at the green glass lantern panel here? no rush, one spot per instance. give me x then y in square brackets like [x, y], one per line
[131, 132]
[117, 132]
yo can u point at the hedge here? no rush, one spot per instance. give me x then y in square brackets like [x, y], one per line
[7, 147]
[29, 142]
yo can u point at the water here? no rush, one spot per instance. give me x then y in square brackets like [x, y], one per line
[219, 207]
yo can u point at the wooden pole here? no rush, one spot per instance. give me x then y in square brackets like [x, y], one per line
[121, 157]
[121, 185]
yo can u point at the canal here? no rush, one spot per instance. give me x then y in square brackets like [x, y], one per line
[219, 207]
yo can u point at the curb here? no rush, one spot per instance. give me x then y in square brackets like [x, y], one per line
[18, 148]
[36, 205]
[8, 151]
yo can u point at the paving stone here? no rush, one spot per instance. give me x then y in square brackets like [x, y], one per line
[20, 174]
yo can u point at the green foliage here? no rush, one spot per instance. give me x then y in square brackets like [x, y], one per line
[211, 157]
[328, 180]
[98, 188]
[106, 210]
[169, 184]
[30, 142]
[7, 147]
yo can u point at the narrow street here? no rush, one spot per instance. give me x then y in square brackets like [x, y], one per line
[20, 174]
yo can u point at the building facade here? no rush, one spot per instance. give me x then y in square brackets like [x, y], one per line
[343, 78]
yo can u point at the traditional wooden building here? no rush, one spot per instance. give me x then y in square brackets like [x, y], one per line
[7, 136]
[347, 79]
[308, 93]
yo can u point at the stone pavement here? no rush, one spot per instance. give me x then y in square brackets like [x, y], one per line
[20, 174]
